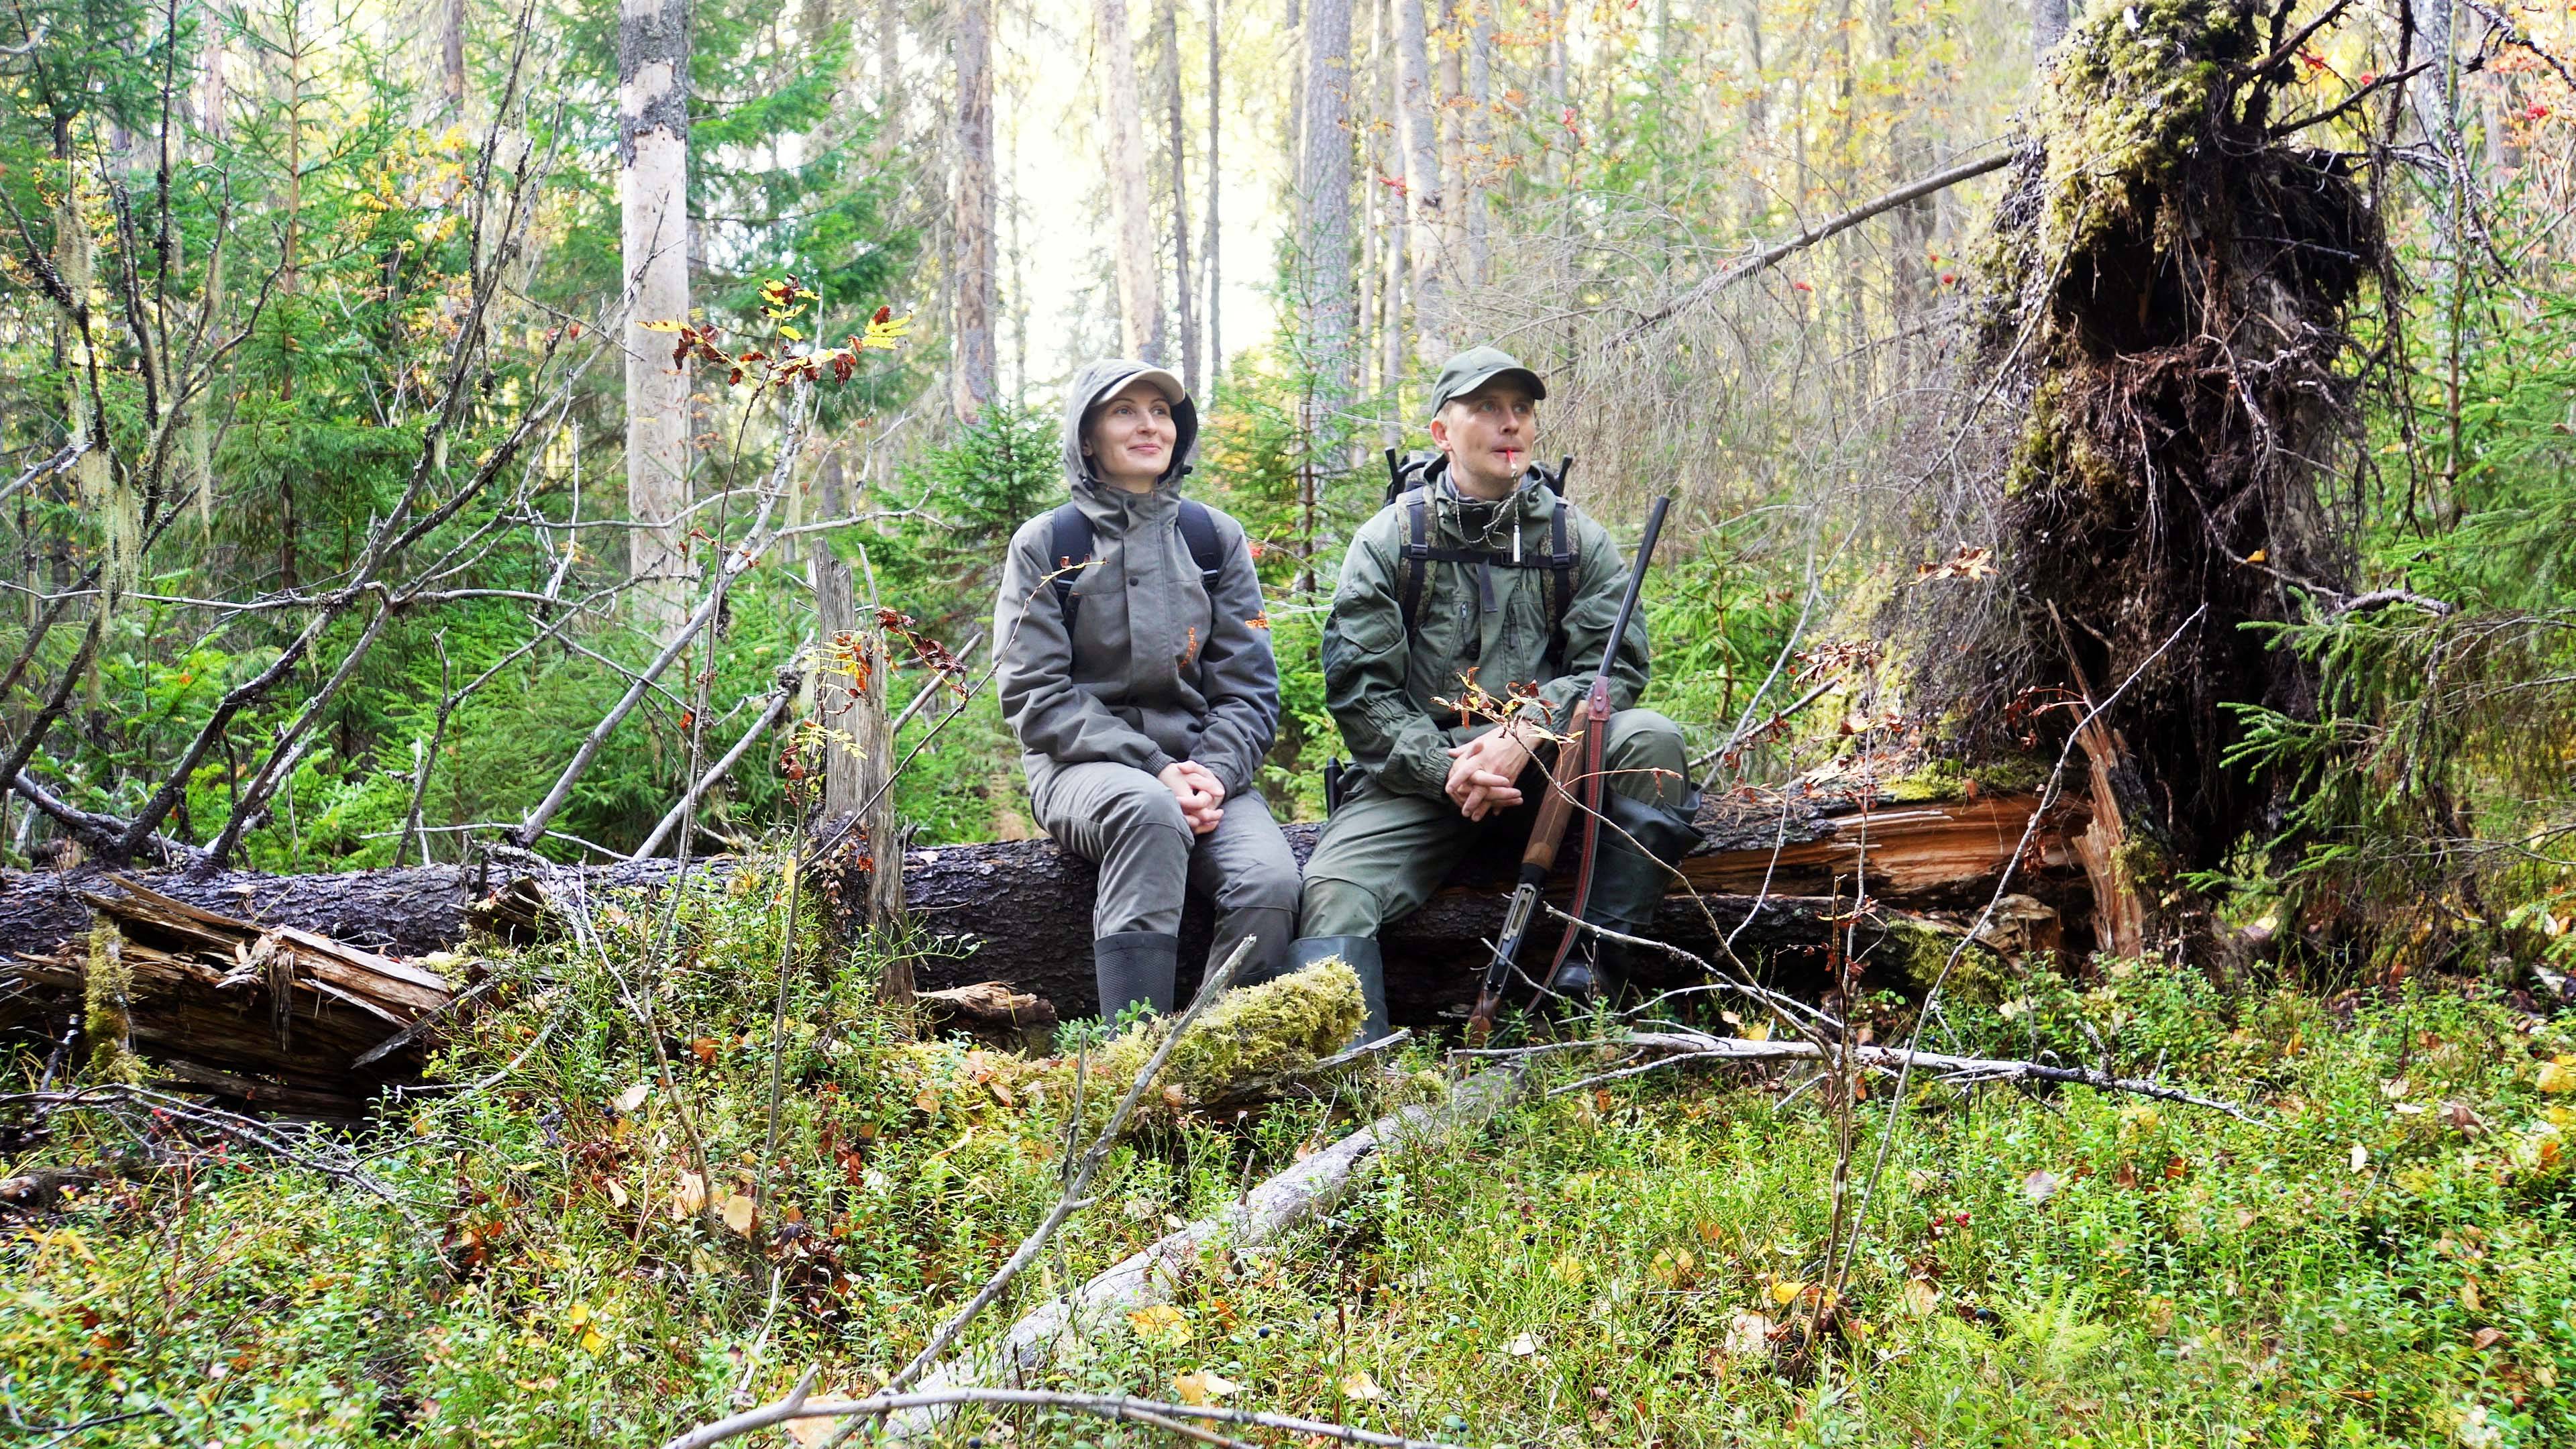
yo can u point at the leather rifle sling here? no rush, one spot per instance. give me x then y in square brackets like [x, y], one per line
[1596, 732]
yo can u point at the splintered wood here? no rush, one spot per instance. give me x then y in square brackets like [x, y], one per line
[271, 1016]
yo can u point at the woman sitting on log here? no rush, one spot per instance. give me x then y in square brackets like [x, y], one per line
[1136, 673]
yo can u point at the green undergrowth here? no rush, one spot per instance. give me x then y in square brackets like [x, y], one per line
[2381, 1256]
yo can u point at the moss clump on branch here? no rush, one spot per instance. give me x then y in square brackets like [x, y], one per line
[1275, 1029]
[107, 993]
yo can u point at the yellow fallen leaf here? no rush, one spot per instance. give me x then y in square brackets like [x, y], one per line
[737, 1213]
[591, 1342]
[1921, 1298]
[576, 1315]
[690, 1197]
[617, 1192]
[2469, 1296]
[1160, 1323]
[1360, 1386]
[2556, 1076]
[1785, 1291]
[1756, 1031]
[2360, 1157]
[1568, 1269]
[1204, 1387]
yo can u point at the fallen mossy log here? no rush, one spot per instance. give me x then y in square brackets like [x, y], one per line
[1771, 874]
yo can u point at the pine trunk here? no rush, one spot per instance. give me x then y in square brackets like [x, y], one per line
[1140, 312]
[1324, 203]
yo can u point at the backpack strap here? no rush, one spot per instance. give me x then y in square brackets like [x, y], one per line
[1416, 554]
[1198, 530]
[1069, 543]
[1413, 559]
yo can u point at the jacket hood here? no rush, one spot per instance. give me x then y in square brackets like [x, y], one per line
[1093, 385]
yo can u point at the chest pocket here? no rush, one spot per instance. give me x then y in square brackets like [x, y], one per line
[1069, 542]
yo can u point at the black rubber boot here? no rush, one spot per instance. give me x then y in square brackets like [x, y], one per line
[1135, 966]
[1273, 930]
[1627, 886]
[1360, 953]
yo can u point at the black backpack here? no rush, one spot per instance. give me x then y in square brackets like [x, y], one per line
[1069, 542]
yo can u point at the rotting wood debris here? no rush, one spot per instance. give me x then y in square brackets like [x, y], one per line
[252, 988]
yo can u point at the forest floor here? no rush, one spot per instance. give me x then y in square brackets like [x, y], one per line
[564, 1250]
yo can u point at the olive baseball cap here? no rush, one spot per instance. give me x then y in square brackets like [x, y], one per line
[1475, 367]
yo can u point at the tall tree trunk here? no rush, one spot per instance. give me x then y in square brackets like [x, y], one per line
[1424, 207]
[1450, 120]
[653, 185]
[451, 58]
[1167, 29]
[977, 294]
[1324, 198]
[1215, 183]
[889, 79]
[1478, 150]
[1140, 310]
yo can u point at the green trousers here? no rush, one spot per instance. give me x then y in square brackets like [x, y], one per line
[1383, 854]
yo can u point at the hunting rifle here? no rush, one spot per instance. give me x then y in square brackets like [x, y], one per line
[1584, 745]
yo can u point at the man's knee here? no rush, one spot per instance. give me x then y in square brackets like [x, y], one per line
[1339, 908]
[1647, 756]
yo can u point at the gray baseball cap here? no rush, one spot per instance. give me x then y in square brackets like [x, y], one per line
[1475, 367]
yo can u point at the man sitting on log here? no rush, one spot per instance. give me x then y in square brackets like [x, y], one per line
[1481, 573]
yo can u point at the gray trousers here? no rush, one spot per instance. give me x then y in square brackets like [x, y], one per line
[1127, 821]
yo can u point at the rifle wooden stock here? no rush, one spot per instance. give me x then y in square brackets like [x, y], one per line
[1581, 756]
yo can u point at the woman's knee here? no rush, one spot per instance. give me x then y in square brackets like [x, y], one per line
[1138, 803]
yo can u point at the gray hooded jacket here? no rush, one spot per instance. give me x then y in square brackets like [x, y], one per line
[1159, 671]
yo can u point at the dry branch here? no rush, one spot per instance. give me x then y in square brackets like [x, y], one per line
[1276, 1206]
[1651, 1050]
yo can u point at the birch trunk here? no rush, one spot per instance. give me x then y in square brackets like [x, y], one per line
[1167, 28]
[653, 182]
[977, 294]
[1140, 312]
[1324, 198]
[1424, 208]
